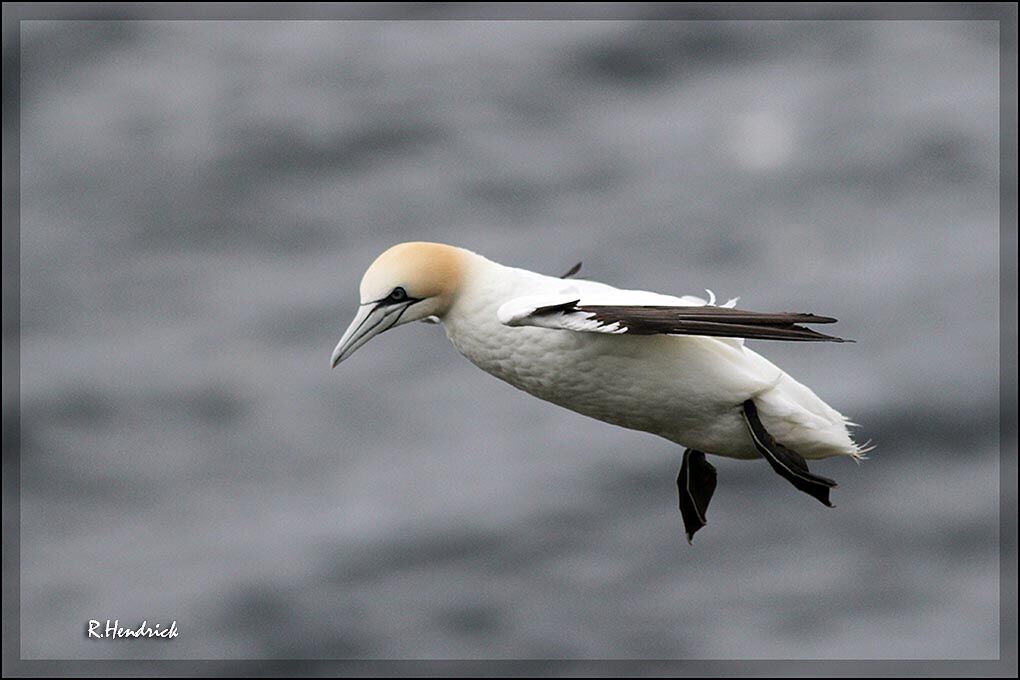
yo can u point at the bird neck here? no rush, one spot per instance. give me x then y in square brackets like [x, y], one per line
[471, 322]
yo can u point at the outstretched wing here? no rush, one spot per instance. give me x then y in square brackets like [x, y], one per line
[572, 312]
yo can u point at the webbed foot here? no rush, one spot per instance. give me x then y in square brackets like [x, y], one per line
[789, 464]
[696, 484]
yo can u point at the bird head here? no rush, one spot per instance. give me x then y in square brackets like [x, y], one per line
[408, 282]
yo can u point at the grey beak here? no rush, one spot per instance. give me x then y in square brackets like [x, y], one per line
[370, 321]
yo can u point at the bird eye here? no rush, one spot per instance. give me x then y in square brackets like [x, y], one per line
[398, 295]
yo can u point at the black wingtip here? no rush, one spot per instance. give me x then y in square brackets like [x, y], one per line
[833, 338]
[573, 270]
[808, 317]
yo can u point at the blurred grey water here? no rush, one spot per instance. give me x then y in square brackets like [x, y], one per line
[200, 199]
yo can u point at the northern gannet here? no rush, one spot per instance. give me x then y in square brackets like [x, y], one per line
[676, 367]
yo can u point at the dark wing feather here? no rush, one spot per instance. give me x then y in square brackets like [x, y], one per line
[573, 270]
[708, 320]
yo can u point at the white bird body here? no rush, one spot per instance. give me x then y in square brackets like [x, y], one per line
[676, 367]
[687, 389]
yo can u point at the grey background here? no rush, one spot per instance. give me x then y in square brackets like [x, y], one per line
[199, 200]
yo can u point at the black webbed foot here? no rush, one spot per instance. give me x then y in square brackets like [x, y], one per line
[696, 484]
[789, 464]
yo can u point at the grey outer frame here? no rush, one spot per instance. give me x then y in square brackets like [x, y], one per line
[1005, 13]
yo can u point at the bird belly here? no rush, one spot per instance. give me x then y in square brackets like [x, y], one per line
[688, 390]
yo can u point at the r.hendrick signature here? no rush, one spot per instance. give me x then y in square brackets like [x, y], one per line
[113, 630]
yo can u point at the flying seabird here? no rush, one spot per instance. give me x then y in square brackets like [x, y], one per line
[673, 366]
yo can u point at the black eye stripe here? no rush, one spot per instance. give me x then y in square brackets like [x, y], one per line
[397, 296]
[388, 302]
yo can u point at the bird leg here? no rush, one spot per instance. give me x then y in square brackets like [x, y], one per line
[789, 464]
[696, 484]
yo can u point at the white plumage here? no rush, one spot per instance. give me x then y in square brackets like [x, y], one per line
[687, 389]
[628, 357]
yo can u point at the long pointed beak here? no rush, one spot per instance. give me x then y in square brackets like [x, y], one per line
[370, 321]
